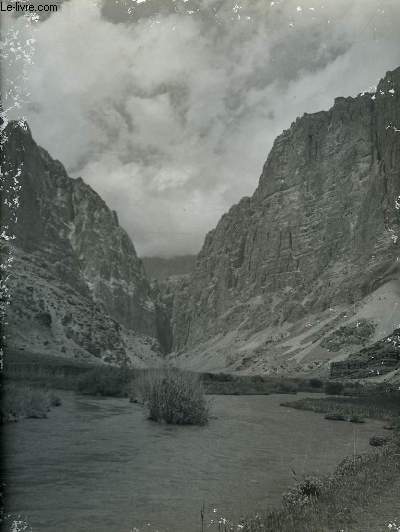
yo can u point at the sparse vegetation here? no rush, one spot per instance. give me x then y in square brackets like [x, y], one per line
[334, 502]
[335, 417]
[331, 503]
[26, 402]
[66, 374]
[43, 370]
[333, 388]
[172, 396]
[105, 381]
[372, 404]
[356, 419]
[230, 384]
[378, 441]
[357, 333]
[303, 491]
[316, 383]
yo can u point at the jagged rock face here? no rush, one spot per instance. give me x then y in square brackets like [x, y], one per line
[163, 293]
[318, 231]
[77, 282]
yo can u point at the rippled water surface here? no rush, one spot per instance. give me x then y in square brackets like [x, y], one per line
[99, 465]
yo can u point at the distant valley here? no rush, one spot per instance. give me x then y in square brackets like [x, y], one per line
[302, 274]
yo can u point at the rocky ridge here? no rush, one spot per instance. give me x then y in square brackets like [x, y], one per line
[77, 285]
[313, 249]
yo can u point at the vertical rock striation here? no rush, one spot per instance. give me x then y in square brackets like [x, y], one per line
[318, 232]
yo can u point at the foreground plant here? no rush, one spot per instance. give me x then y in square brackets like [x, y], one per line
[26, 402]
[172, 396]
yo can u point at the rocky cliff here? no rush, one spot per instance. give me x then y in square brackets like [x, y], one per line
[77, 285]
[315, 247]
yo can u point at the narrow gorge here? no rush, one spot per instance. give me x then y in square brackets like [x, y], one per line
[300, 275]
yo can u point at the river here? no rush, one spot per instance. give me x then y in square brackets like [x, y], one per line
[100, 465]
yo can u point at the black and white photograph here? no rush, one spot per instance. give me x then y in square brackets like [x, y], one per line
[200, 265]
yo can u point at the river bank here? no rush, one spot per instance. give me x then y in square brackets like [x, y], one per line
[98, 464]
[363, 494]
[321, 500]
[101, 379]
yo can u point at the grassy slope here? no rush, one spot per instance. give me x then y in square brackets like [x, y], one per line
[379, 513]
[358, 495]
[362, 495]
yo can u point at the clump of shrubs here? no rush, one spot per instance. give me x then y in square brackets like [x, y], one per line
[172, 396]
[315, 383]
[378, 441]
[104, 381]
[333, 388]
[287, 387]
[356, 419]
[357, 333]
[307, 489]
[25, 402]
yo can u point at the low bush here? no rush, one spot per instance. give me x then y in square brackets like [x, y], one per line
[23, 402]
[287, 387]
[335, 417]
[357, 333]
[105, 381]
[172, 396]
[356, 419]
[378, 441]
[37, 404]
[333, 388]
[316, 383]
[310, 487]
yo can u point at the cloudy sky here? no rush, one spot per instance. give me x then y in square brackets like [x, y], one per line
[168, 108]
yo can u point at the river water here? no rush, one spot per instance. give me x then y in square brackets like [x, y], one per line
[97, 465]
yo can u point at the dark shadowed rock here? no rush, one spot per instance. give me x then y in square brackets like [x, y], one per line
[77, 284]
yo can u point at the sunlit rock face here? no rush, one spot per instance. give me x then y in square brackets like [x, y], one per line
[319, 233]
[77, 284]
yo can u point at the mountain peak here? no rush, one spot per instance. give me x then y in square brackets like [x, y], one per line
[317, 234]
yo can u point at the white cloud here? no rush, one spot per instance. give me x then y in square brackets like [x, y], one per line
[170, 116]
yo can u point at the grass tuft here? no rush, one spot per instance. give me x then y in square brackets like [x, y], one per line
[172, 396]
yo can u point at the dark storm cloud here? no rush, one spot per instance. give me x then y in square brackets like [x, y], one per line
[169, 108]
